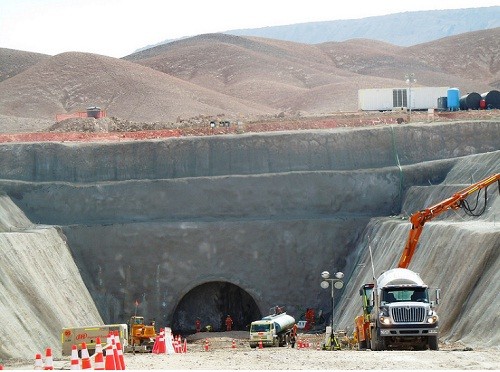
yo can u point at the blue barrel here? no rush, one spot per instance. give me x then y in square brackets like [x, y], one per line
[453, 99]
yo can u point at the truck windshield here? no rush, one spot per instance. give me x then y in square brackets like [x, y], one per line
[401, 294]
[260, 327]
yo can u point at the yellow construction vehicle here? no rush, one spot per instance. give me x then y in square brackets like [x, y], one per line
[141, 336]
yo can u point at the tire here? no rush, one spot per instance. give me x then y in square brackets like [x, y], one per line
[362, 345]
[377, 342]
[433, 343]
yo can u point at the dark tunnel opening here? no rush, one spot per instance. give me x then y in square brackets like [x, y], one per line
[212, 302]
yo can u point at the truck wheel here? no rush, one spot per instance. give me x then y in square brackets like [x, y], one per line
[377, 342]
[433, 343]
[362, 345]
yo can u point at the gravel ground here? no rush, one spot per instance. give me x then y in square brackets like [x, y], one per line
[222, 356]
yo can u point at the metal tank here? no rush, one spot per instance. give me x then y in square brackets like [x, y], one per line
[471, 101]
[492, 99]
[282, 321]
[453, 99]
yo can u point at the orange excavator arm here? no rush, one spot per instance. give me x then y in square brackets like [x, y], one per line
[418, 219]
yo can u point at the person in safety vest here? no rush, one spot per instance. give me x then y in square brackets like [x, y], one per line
[198, 325]
[229, 323]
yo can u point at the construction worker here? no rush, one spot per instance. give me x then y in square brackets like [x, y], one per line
[198, 325]
[293, 335]
[229, 323]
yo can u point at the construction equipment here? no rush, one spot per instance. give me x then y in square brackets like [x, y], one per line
[272, 330]
[456, 201]
[397, 311]
[77, 335]
[141, 336]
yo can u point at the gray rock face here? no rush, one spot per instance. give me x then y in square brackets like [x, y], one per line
[205, 227]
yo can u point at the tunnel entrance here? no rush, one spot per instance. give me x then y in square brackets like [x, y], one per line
[212, 302]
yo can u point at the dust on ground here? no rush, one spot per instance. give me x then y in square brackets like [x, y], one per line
[221, 355]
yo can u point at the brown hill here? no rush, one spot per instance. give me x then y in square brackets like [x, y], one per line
[72, 81]
[242, 77]
[13, 62]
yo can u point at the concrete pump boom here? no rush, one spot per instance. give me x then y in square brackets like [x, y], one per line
[418, 219]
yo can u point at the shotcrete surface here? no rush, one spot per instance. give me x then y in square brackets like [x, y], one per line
[77, 222]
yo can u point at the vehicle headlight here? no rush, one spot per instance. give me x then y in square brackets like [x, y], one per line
[432, 319]
[385, 320]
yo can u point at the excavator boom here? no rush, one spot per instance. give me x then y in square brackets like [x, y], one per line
[418, 219]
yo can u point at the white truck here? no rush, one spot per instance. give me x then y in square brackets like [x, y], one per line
[397, 313]
[272, 330]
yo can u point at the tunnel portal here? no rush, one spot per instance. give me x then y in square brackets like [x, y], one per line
[212, 302]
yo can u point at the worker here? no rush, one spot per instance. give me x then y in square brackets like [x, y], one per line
[229, 323]
[293, 335]
[198, 325]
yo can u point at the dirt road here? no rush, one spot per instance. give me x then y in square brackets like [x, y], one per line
[222, 356]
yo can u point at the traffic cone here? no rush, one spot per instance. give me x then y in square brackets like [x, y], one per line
[98, 357]
[163, 342]
[119, 349]
[75, 361]
[233, 345]
[318, 347]
[85, 357]
[38, 361]
[261, 345]
[185, 348]
[118, 364]
[156, 345]
[109, 363]
[1, 367]
[206, 344]
[49, 361]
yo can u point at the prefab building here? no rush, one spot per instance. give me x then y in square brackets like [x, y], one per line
[396, 99]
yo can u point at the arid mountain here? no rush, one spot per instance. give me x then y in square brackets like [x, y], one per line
[244, 77]
[404, 29]
[72, 81]
[12, 61]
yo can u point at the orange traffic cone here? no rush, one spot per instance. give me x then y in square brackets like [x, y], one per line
[98, 357]
[1, 367]
[85, 357]
[49, 361]
[38, 361]
[261, 345]
[109, 363]
[185, 348]
[318, 347]
[118, 364]
[206, 344]
[119, 349]
[75, 361]
[233, 345]
[162, 343]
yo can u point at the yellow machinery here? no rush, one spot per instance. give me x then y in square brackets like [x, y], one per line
[141, 336]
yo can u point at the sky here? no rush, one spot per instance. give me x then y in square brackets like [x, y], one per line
[117, 28]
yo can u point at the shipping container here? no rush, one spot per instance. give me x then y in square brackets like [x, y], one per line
[398, 99]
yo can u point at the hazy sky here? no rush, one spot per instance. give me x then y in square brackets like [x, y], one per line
[118, 27]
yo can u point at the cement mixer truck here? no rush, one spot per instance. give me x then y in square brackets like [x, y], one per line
[398, 313]
[272, 330]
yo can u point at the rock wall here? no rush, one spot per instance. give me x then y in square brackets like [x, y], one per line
[41, 288]
[155, 221]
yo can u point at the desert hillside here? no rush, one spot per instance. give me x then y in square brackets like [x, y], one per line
[240, 78]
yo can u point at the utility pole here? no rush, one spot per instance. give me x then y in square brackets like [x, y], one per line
[410, 79]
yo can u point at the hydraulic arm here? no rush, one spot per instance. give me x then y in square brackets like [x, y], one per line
[456, 201]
